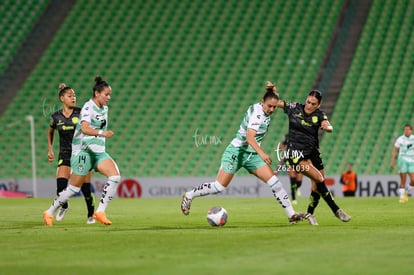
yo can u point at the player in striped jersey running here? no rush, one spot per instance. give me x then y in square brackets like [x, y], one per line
[88, 152]
[245, 151]
[404, 146]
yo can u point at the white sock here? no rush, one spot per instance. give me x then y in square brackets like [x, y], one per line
[205, 189]
[62, 198]
[281, 195]
[401, 191]
[108, 192]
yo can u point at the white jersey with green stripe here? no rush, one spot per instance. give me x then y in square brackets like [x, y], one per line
[405, 147]
[98, 119]
[256, 119]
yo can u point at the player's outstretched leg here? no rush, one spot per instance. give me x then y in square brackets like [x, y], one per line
[59, 201]
[282, 197]
[202, 190]
[108, 192]
[327, 196]
[62, 183]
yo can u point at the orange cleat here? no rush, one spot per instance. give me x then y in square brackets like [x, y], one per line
[101, 217]
[47, 219]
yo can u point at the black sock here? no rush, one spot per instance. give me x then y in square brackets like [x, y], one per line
[61, 184]
[298, 184]
[293, 188]
[314, 201]
[87, 194]
[327, 196]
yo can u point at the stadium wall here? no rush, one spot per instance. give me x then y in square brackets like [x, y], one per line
[245, 186]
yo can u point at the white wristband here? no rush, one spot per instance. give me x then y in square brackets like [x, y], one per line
[100, 133]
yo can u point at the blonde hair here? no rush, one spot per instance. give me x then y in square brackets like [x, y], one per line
[62, 89]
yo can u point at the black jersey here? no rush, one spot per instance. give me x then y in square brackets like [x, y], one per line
[66, 127]
[303, 129]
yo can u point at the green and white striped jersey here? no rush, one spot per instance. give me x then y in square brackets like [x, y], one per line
[98, 119]
[256, 119]
[405, 147]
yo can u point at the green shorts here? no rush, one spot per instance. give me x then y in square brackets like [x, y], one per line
[85, 161]
[236, 157]
[405, 166]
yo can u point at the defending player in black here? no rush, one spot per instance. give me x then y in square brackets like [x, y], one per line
[305, 120]
[64, 121]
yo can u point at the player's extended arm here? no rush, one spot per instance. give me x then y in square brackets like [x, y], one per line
[326, 126]
[88, 130]
[253, 143]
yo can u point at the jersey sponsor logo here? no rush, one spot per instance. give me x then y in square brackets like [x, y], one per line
[66, 128]
[258, 116]
[304, 123]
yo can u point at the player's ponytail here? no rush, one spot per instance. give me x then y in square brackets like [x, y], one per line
[271, 91]
[62, 89]
[100, 85]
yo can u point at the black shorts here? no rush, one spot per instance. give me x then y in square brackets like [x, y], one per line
[64, 158]
[314, 158]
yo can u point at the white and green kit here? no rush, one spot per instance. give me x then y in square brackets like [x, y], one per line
[239, 154]
[89, 151]
[405, 147]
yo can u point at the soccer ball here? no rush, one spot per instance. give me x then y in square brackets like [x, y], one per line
[217, 216]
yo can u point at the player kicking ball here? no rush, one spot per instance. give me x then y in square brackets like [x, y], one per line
[245, 151]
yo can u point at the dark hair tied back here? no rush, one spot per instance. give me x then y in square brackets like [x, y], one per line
[271, 91]
[317, 94]
[100, 85]
[270, 94]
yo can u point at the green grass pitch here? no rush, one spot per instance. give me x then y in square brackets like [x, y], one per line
[151, 236]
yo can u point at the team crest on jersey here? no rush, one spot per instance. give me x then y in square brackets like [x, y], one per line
[75, 120]
[81, 168]
[314, 119]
